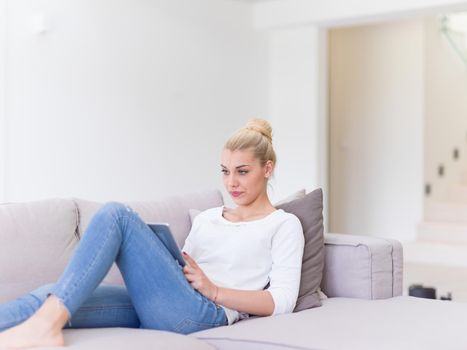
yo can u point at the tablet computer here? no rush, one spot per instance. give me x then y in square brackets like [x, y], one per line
[162, 230]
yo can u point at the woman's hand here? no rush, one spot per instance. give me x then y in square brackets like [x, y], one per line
[198, 279]
[256, 302]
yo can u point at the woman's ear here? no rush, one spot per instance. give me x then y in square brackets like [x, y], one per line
[269, 168]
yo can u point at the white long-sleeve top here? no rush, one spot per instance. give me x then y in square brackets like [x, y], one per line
[248, 255]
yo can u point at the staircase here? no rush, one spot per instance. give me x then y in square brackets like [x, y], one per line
[445, 221]
[438, 257]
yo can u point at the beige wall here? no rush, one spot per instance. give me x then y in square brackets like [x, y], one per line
[376, 129]
[445, 106]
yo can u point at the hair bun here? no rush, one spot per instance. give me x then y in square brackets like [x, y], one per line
[260, 125]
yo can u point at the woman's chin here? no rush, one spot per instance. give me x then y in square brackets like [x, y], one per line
[235, 200]
[240, 200]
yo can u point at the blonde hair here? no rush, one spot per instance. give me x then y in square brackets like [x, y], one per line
[257, 136]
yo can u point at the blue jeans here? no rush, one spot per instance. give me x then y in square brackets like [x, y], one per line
[156, 293]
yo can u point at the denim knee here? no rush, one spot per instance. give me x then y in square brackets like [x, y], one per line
[115, 209]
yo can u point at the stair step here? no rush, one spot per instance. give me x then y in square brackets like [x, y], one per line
[431, 253]
[457, 193]
[443, 232]
[446, 211]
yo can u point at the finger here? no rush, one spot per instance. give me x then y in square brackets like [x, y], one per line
[189, 259]
[191, 275]
[190, 278]
[188, 269]
[195, 285]
[192, 271]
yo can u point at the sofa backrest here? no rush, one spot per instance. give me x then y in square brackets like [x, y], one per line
[172, 210]
[36, 241]
[38, 238]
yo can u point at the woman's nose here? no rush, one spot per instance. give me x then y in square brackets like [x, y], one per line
[232, 181]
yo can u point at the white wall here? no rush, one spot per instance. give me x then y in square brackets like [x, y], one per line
[445, 105]
[127, 99]
[295, 108]
[3, 132]
[186, 72]
[376, 129]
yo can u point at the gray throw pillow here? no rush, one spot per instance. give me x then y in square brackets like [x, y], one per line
[309, 211]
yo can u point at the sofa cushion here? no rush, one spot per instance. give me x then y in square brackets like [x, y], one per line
[36, 241]
[402, 323]
[309, 211]
[296, 195]
[128, 338]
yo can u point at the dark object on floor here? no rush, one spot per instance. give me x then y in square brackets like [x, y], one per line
[447, 297]
[417, 290]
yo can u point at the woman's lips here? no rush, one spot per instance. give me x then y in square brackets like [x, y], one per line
[235, 194]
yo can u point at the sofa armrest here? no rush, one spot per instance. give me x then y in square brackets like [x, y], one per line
[361, 267]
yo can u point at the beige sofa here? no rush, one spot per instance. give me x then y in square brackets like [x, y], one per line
[362, 279]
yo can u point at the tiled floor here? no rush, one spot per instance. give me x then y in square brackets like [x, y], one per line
[442, 266]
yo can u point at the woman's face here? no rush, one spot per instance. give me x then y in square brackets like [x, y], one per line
[244, 177]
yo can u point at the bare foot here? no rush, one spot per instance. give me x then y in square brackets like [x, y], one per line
[44, 328]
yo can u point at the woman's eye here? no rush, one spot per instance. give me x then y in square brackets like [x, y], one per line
[243, 172]
[225, 172]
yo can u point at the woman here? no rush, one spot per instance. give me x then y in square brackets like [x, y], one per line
[240, 262]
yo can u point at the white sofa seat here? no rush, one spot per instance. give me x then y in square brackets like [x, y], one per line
[399, 323]
[127, 339]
